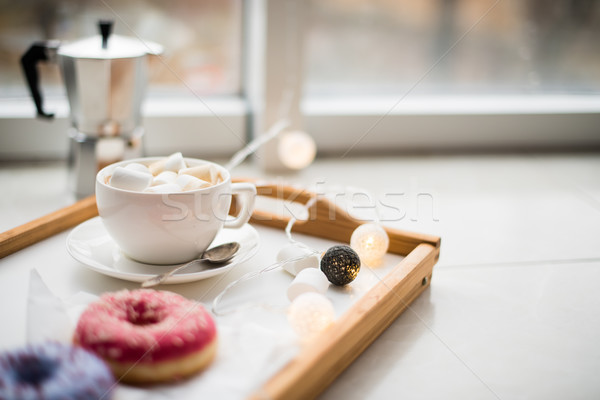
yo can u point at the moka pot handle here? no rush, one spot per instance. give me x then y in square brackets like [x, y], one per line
[39, 51]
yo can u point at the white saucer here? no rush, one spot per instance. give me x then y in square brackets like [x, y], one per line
[90, 244]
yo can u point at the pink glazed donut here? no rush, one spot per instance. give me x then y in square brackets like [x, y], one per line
[148, 336]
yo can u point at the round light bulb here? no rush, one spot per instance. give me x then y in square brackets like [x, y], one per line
[310, 313]
[371, 242]
[296, 149]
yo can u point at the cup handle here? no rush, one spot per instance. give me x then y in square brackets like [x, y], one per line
[247, 194]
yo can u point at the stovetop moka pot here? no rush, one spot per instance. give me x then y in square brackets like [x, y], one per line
[105, 78]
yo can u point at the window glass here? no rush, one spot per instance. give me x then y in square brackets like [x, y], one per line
[202, 39]
[360, 47]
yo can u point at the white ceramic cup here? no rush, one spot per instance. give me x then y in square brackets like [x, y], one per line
[159, 228]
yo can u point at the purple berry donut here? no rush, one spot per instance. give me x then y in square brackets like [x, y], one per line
[54, 371]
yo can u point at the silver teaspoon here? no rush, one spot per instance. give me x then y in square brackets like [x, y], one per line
[217, 255]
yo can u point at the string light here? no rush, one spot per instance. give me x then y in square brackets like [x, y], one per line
[297, 255]
[310, 313]
[371, 242]
[309, 258]
[257, 143]
[308, 280]
[296, 149]
[340, 264]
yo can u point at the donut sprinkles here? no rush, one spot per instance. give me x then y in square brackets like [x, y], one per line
[54, 371]
[148, 336]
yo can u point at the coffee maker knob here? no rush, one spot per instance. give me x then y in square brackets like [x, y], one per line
[106, 27]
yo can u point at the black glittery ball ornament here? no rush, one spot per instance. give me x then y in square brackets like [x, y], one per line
[340, 264]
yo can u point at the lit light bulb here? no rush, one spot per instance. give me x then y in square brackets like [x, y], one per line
[296, 149]
[371, 243]
[310, 313]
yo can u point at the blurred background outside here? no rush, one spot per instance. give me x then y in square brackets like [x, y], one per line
[353, 47]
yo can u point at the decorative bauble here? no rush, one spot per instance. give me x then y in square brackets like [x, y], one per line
[296, 149]
[308, 280]
[340, 264]
[304, 258]
[310, 313]
[371, 242]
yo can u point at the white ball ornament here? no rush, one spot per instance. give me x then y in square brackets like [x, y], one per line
[308, 280]
[310, 313]
[371, 242]
[296, 149]
[303, 256]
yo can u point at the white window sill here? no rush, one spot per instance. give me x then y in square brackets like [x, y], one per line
[208, 127]
[385, 124]
[216, 127]
[452, 105]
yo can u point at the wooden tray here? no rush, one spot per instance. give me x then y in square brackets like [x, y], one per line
[318, 364]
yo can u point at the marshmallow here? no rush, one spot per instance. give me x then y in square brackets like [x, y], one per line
[138, 167]
[174, 162]
[294, 251]
[129, 179]
[166, 188]
[308, 280]
[205, 172]
[189, 182]
[157, 167]
[164, 178]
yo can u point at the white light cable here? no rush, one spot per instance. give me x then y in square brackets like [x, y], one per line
[255, 144]
[272, 267]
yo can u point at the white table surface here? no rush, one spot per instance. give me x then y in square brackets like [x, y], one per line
[512, 311]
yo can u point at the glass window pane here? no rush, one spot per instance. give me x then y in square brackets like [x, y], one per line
[202, 39]
[386, 46]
